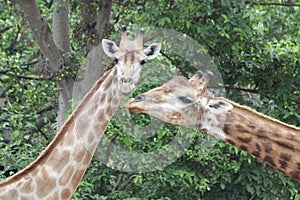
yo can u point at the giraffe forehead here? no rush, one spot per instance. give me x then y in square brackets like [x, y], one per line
[132, 56]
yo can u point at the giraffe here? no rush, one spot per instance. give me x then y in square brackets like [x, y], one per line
[57, 171]
[188, 103]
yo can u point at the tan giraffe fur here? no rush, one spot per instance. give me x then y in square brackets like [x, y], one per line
[56, 173]
[187, 102]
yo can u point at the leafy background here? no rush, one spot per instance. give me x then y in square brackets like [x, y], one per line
[255, 45]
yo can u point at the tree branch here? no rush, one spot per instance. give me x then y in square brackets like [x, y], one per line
[120, 179]
[12, 44]
[174, 63]
[41, 32]
[5, 89]
[41, 123]
[25, 77]
[242, 89]
[272, 4]
[2, 30]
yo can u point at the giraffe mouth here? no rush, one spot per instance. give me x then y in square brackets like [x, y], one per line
[133, 107]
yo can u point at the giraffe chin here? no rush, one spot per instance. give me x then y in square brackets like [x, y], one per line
[126, 89]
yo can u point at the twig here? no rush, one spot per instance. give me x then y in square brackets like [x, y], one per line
[14, 40]
[109, 149]
[2, 30]
[30, 63]
[25, 77]
[127, 182]
[242, 89]
[48, 108]
[272, 4]
[120, 179]
[4, 90]
[174, 63]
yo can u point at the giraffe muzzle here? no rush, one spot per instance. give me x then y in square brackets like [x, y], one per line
[126, 80]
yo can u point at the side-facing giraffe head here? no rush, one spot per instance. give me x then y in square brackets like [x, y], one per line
[184, 102]
[129, 58]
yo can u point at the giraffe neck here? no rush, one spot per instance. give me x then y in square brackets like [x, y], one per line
[269, 140]
[56, 173]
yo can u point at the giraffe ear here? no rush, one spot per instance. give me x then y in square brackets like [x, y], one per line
[109, 47]
[219, 106]
[152, 51]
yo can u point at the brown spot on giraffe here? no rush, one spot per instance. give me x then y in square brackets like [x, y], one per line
[100, 115]
[66, 194]
[91, 138]
[107, 84]
[109, 111]
[269, 160]
[267, 147]
[79, 153]
[67, 175]
[115, 101]
[44, 187]
[243, 147]
[244, 139]
[261, 133]
[283, 164]
[25, 198]
[285, 156]
[285, 144]
[256, 153]
[27, 186]
[257, 147]
[109, 99]
[58, 160]
[227, 129]
[76, 178]
[231, 142]
[102, 99]
[241, 128]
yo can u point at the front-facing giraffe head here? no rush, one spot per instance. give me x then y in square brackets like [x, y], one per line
[129, 58]
[184, 102]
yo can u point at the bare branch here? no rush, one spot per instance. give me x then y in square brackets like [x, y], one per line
[120, 179]
[25, 77]
[12, 44]
[5, 89]
[242, 89]
[127, 182]
[51, 118]
[174, 63]
[2, 30]
[30, 63]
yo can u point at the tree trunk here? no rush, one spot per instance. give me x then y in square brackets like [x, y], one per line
[61, 38]
[55, 47]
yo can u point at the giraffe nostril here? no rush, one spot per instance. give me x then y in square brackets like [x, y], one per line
[139, 98]
[126, 80]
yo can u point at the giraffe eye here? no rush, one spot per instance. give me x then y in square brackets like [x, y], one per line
[116, 61]
[186, 99]
[143, 62]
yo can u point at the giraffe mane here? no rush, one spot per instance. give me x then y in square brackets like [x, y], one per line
[58, 136]
[260, 115]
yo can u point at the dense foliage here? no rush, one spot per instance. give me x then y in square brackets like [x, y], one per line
[256, 48]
